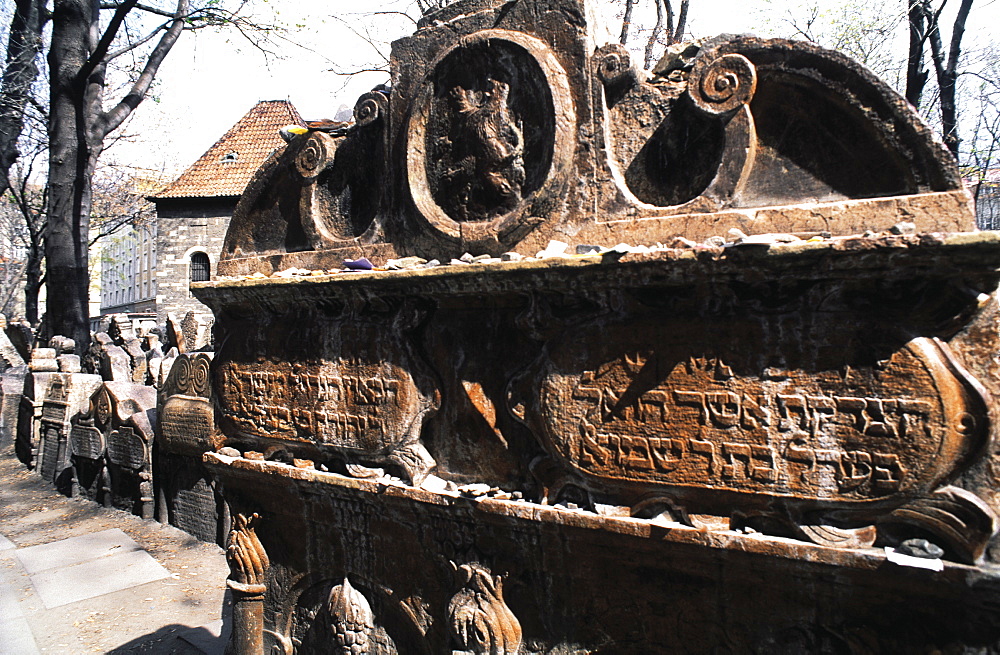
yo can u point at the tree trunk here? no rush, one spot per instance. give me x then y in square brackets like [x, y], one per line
[32, 285]
[24, 43]
[654, 35]
[71, 162]
[681, 22]
[946, 67]
[78, 126]
[949, 107]
[916, 74]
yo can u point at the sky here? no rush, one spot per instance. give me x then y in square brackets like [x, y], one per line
[210, 80]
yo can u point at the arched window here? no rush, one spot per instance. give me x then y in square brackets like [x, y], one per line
[201, 269]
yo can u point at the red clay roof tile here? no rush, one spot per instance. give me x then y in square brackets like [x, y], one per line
[226, 168]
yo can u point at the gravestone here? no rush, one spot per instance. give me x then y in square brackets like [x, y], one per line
[12, 372]
[188, 496]
[65, 396]
[111, 442]
[764, 426]
[197, 331]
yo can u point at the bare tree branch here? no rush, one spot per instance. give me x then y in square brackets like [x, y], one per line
[626, 21]
[654, 35]
[24, 44]
[113, 118]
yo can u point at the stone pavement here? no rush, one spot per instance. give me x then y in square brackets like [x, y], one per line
[79, 578]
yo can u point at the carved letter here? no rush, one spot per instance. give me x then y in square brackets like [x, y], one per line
[857, 469]
[693, 399]
[888, 474]
[789, 406]
[763, 473]
[724, 408]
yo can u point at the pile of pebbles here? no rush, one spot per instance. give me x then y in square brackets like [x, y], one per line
[558, 249]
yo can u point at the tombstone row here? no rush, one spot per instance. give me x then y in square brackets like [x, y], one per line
[88, 425]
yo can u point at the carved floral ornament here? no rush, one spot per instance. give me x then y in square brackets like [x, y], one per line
[478, 617]
[248, 561]
[352, 620]
[484, 138]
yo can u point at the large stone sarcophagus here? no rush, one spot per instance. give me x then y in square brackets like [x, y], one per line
[758, 427]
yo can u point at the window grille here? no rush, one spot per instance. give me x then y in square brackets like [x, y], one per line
[201, 269]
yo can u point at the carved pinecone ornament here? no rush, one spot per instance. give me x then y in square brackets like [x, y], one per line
[351, 619]
[479, 619]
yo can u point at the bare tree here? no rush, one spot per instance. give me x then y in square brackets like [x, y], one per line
[925, 29]
[668, 28]
[24, 44]
[84, 45]
[28, 201]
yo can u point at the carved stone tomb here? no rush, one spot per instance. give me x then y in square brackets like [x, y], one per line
[768, 429]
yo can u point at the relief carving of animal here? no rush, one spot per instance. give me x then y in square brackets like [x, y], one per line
[488, 152]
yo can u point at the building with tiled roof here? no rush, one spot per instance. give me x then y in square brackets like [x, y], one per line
[193, 211]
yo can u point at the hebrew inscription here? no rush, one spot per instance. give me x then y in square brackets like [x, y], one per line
[345, 403]
[187, 418]
[355, 393]
[861, 434]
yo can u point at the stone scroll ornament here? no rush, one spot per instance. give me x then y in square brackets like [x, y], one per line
[478, 618]
[248, 565]
[351, 619]
[661, 164]
[641, 417]
[187, 418]
[722, 85]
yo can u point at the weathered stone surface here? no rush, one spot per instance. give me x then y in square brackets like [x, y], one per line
[69, 363]
[137, 359]
[187, 415]
[121, 329]
[22, 338]
[116, 365]
[66, 395]
[197, 331]
[9, 356]
[569, 578]
[351, 386]
[175, 335]
[13, 386]
[581, 148]
[43, 360]
[111, 442]
[187, 494]
[790, 367]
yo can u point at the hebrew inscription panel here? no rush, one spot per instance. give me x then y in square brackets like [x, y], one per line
[658, 415]
[359, 397]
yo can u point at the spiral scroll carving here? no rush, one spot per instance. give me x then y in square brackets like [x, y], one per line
[314, 156]
[370, 108]
[721, 85]
[200, 376]
[614, 65]
[182, 375]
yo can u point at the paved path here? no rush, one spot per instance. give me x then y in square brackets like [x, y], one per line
[78, 578]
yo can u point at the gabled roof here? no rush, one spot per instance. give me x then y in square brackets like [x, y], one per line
[227, 167]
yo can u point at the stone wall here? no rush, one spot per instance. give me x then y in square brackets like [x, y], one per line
[186, 226]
